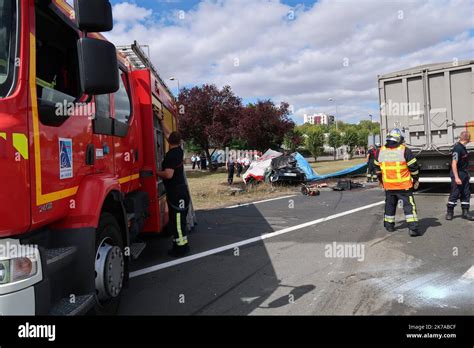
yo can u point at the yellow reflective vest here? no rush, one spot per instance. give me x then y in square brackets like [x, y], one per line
[394, 167]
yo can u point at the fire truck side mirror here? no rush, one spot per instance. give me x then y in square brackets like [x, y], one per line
[94, 16]
[98, 67]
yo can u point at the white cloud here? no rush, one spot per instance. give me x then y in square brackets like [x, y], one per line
[255, 47]
[130, 13]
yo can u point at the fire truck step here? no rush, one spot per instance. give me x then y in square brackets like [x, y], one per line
[80, 306]
[136, 249]
[58, 258]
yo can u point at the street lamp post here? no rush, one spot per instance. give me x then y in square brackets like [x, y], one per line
[172, 78]
[373, 134]
[335, 116]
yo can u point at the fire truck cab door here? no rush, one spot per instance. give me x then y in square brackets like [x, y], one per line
[126, 143]
[160, 153]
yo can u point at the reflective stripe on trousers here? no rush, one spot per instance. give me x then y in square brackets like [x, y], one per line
[409, 207]
[181, 241]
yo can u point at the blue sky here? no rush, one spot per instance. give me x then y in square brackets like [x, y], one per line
[301, 52]
[170, 5]
[163, 6]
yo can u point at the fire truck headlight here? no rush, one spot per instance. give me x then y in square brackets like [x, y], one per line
[17, 269]
[4, 271]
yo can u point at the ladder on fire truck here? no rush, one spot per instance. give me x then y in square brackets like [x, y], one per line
[139, 60]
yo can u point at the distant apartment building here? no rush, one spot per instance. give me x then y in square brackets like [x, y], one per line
[320, 118]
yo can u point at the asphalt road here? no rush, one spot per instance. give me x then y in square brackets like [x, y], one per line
[282, 263]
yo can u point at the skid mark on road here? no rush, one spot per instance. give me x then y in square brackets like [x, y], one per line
[380, 240]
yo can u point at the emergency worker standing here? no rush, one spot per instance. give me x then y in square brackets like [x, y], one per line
[230, 170]
[460, 178]
[177, 193]
[371, 176]
[397, 169]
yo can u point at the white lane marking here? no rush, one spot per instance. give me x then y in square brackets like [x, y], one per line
[200, 255]
[469, 274]
[249, 299]
[266, 200]
[247, 241]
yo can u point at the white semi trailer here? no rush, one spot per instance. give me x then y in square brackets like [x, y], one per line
[432, 104]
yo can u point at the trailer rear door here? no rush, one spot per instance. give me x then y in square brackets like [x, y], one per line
[432, 105]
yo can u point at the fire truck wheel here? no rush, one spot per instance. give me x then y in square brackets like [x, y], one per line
[109, 266]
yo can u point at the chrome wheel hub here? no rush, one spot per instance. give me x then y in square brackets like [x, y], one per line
[109, 268]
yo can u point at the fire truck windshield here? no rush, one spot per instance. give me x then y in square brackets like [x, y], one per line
[8, 23]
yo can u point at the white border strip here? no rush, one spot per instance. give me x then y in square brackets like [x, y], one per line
[251, 203]
[247, 241]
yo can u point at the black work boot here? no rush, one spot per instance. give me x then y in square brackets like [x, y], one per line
[177, 251]
[414, 232]
[390, 227]
[450, 213]
[466, 215]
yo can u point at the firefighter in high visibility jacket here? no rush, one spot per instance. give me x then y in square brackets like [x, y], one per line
[398, 170]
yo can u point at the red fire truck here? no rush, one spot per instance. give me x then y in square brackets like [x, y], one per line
[80, 144]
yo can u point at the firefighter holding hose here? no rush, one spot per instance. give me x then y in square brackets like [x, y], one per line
[398, 170]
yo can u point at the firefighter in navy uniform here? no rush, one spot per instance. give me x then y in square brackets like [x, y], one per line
[177, 193]
[398, 170]
[460, 178]
[371, 175]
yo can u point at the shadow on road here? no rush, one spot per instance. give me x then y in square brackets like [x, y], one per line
[424, 225]
[235, 281]
[295, 294]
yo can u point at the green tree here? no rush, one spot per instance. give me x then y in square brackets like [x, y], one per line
[335, 140]
[293, 139]
[342, 126]
[315, 142]
[326, 128]
[191, 147]
[372, 127]
[351, 139]
[306, 128]
[239, 144]
[363, 138]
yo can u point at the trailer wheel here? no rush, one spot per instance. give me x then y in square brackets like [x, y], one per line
[109, 266]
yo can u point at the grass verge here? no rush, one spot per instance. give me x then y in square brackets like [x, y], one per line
[210, 190]
[325, 167]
